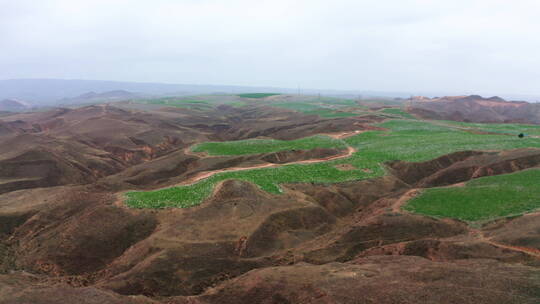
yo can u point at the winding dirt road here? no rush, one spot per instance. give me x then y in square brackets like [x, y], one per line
[475, 233]
[527, 250]
[206, 174]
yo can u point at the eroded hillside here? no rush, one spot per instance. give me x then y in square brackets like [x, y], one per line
[268, 216]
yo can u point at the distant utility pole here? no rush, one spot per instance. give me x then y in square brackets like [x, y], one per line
[408, 106]
[298, 90]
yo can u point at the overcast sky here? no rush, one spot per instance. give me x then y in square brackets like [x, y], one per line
[459, 46]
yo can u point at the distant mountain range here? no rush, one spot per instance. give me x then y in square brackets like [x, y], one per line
[90, 97]
[49, 92]
[53, 91]
[13, 105]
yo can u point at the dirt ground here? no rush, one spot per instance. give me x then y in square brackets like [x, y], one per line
[66, 238]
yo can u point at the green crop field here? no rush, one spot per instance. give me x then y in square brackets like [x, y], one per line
[178, 103]
[203, 102]
[511, 129]
[338, 102]
[237, 104]
[257, 95]
[330, 109]
[326, 113]
[406, 140]
[381, 102]
[256, 146]
[482, 199]
[297, 106]
[398, 112]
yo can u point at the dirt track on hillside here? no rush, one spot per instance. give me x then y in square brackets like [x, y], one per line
[477, 234]
[527, 250]
[207, 174]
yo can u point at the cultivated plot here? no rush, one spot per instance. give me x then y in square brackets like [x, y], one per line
[406, 140]
[482, 199]
[256, 146]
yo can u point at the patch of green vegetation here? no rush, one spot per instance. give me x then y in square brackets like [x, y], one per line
[257, 95]
[406, 140]
[335, 103]
[482, 199]
[267, 179]
[179, 197]
[398, 112]
[505, 128]
[237, 104]
[340, 102]
[257, 146]
[178, 103]
[415, 141]
[315, 109]
[297, 106]
[326, 113]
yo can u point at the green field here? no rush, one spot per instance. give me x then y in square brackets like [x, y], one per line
[338, 102]
[406, 140]
[179, 103]
[328, 109]
[257, 95]
[297, 106]
[482, 199]
[326, 113]
[398, 112]
[510, 129]
[257, 146]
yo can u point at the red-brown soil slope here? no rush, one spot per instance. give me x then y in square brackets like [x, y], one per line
[81, 146]
[74, 241]
[475, 108]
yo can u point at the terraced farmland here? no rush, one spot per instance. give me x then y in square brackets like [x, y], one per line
[510, 129]
[482, 199]
[326, 113]
[256, 146]
[328, 108]
[257, 95]
[179, 103]
[297, 106]
[405, 140]
[398, 112]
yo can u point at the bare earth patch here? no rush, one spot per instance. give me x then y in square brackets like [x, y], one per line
[345, 167]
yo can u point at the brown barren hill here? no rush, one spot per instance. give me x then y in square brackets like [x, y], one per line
[66, 237]
[475, 108]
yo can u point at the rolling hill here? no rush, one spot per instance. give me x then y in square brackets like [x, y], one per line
[475, 108]
[267, 199]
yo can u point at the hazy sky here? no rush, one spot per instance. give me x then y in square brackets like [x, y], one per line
[461, 46]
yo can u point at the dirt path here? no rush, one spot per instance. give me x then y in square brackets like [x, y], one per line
[188, 151]
[345, 134]
[342, 135]
[530, 251]
[207, 174]
[338, 135]
[477, 234]
[527, 250]
[396, 207]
